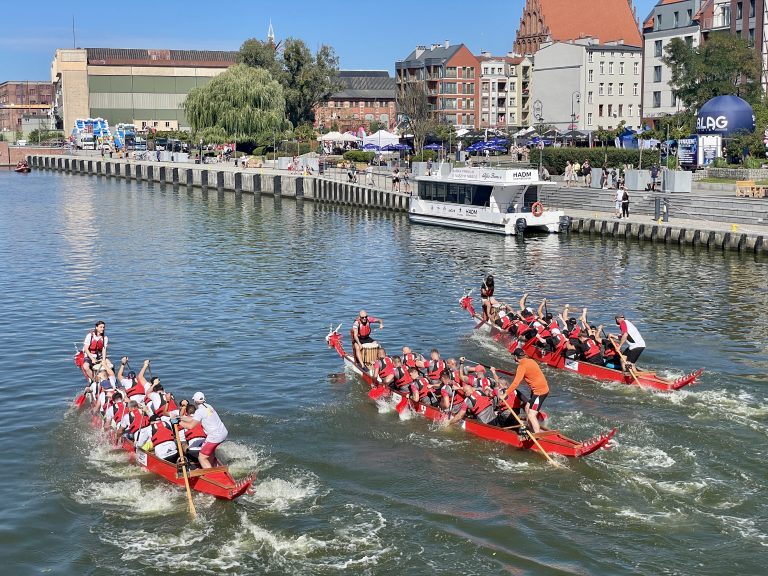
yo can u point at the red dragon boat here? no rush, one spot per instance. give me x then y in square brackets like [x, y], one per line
[22, 169]
[555, 360]
[552, 441]
[217, 482]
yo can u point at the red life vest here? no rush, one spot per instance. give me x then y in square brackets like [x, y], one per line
[402, 376]
[505, 322]
[363, 330]
[542, 330]
[422, 387]
[574, 333]
[162, 434]
[135, 390]
[480, 402]
[95, 346]
[592, 348]
[520, 325]
[434, 368]
[138, 421]
[120, 409]
[553, 326]
[481, 383]
[165, 399]
[455, 376]
[385, 366]
[196, 432]
[409, 359]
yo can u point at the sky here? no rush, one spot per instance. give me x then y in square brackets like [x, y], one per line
[365, 35]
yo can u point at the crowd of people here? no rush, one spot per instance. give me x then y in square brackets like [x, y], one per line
[457, 388]
[137, 408]
[575, 339]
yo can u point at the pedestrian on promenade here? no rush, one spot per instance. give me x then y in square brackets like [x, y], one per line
[406, 180]
[396, 180]
[429, 167]
[369, 174]
[586, 169]
[625, 203]
[619, 199]
[568, 173]
[576, 171]
[654, 176]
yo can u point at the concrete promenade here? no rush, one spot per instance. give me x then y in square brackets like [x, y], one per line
[711, 220]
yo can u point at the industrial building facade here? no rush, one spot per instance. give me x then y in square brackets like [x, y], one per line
[137, 86]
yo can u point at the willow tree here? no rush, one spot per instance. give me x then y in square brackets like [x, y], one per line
[243, 102]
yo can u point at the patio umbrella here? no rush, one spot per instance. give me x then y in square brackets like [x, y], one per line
[433, 147]
[371, 147]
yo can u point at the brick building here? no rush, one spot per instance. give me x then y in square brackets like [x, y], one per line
[365, 96]
[22, 103]
[451, 77]
[565, 20]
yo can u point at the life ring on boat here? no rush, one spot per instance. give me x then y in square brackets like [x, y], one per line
[537, 209]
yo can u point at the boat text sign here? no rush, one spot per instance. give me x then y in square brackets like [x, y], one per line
[492, 175]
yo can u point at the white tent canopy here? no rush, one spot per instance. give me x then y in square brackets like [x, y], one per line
[381, 138]
[331, 137]
[350, 138]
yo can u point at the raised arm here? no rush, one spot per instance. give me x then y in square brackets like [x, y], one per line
[523, 299]
[144, 367]
[462, 377]
[583, 319]
[564, 315]
[540, 311]
[123, 362]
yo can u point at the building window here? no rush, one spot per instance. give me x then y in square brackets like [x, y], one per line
[346, 103]
[657, 48]
[589, 118]
[658, 21]
[610, 89]
[610, 67]
[610, 109]
[751, 8]
[621, 67]
[657, 99]
[629, 110]
[637, 68]
[621, 89]
[676, 20]
[600, 89]
[635, 89]
[673, 99]
[590, 57]
[657, 73]
[450, 72]
[621, 109]
[752, 36]
[739, 10]
[600, 110]
[690, 16]
[589, 97]
[591, 75]
[602, 67]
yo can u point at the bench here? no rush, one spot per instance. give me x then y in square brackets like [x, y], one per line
[748, 189]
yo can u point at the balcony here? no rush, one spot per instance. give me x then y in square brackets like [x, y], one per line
[718, 21]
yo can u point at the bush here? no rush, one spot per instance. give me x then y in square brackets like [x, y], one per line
[424, 155]
[555, 158]
[359, 156]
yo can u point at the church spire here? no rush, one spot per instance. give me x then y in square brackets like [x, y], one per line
[271, 34]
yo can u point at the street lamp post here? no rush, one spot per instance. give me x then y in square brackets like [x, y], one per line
[538, 114]
[577, 97]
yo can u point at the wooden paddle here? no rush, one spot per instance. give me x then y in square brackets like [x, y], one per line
[531, 436]
[402, 405]
[623, 359]
[183, 463]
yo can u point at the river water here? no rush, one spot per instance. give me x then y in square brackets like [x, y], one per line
[233, 295]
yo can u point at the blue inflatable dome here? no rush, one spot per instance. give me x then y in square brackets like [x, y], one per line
[725, 115]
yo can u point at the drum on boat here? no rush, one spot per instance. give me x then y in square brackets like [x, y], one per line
[370, 352]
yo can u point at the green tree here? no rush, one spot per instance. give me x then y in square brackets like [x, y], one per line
[413, 103]
[241, 102]
[724, 64]
[306, 79]
[374, 126]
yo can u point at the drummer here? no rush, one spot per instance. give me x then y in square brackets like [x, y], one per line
[361, 333]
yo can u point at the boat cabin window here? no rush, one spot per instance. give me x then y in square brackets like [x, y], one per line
[470, 194]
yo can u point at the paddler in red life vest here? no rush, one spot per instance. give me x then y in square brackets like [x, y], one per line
[162, 403]
[421, 389]
[139, 386]
[634, 341]
[361, 333]
[402, 376]
[528, 370]
[476, 405]
[476, 377]
[192, 440]
[95, 350]
[383, 368]
[433, 366]
[446, 390]
[409, 358]
[214, 428]
[164, 440]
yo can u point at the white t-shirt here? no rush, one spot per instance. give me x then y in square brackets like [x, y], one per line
[214, 428]
[165, 449]
[155, 401]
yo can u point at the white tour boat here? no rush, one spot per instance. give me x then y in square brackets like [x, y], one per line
[502, 201]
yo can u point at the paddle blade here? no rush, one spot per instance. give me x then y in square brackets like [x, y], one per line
[402, 405]
[80, 400]
[541, 416]
[377, 392]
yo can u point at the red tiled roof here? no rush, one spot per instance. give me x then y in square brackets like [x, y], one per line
[607, 20]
